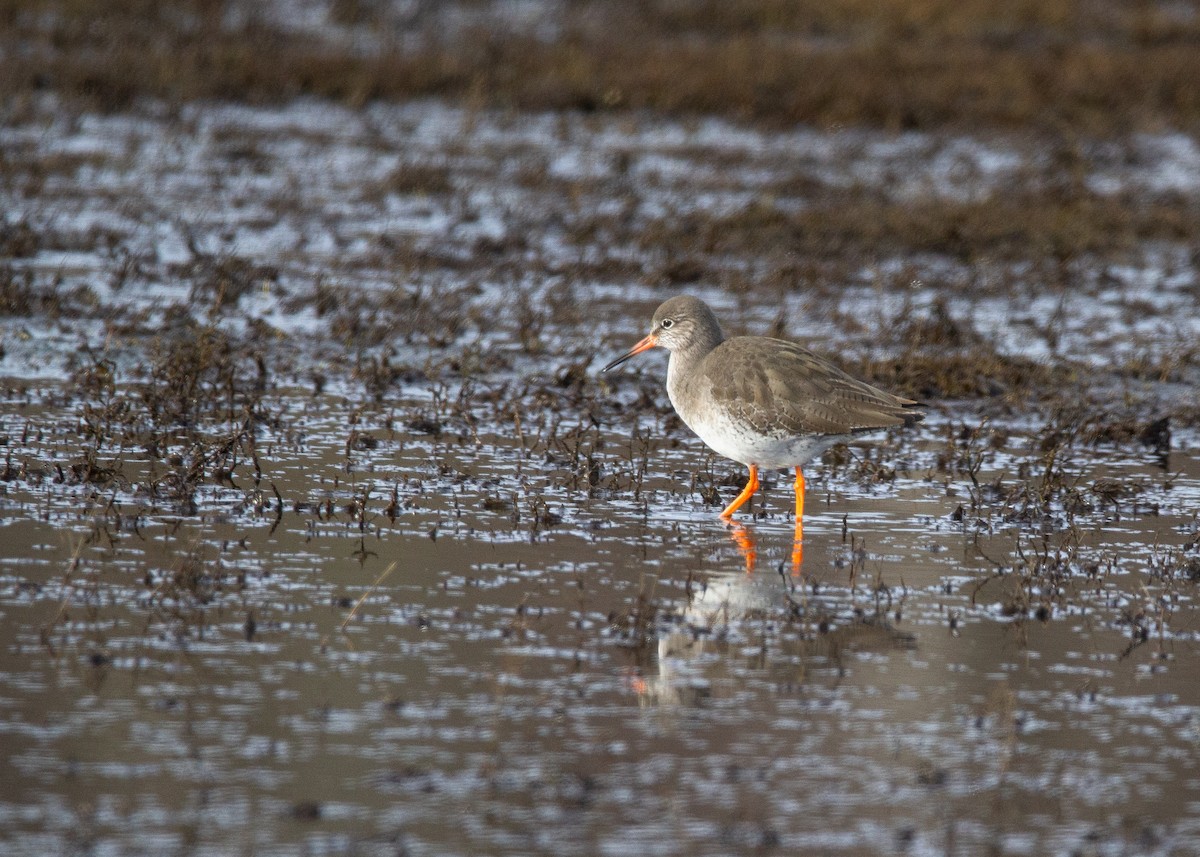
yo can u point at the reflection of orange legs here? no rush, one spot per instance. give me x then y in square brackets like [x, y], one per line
[741, 499]
[638, 684]
[744, 539]
[798, 539]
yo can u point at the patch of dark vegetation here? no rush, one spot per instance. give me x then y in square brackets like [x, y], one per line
[1050, 496]
[1101, 426]
[934, 375]
[192, 420]
[362, 318]
[1041, 487]
[19, 240]
[26, 238]
[26, 169]
[1036, 220]
[1180, 365]
[24, 294]
[220, 281]
[413, 179]
[899, 65]
[200, 375]
[940, 357]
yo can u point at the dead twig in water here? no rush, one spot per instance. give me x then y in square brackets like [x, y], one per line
[359, 603]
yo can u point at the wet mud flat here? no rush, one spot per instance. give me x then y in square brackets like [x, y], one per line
[322, 534]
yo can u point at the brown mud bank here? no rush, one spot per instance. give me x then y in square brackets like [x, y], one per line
[1097, 67]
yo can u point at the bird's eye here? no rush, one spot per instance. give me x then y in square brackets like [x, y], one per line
[667, 323]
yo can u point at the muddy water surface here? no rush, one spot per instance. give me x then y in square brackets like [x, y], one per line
[381, 565]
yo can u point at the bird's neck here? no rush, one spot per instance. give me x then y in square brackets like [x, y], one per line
[685, 361]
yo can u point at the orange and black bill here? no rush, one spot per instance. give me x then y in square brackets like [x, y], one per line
[645, 345]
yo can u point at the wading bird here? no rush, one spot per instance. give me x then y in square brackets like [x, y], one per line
[761, 401]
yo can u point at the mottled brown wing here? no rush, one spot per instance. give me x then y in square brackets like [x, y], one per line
[778, 388]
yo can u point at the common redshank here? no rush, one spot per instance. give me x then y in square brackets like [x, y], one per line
[764, 402]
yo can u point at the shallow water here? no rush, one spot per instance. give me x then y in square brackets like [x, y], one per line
[502, 678]
[490, 610]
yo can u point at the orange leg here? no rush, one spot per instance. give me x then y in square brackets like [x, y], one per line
[741, 499]
[798, 540]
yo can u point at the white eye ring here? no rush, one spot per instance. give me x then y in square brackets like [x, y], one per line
[666, 323]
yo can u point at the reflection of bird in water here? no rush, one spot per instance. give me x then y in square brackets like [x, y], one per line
[734, 622]
[747, 544]
[762, 401]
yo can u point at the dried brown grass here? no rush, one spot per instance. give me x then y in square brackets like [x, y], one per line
[1099, 66]
[1026, 222]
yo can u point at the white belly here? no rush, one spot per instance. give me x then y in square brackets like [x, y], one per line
[737, 442]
